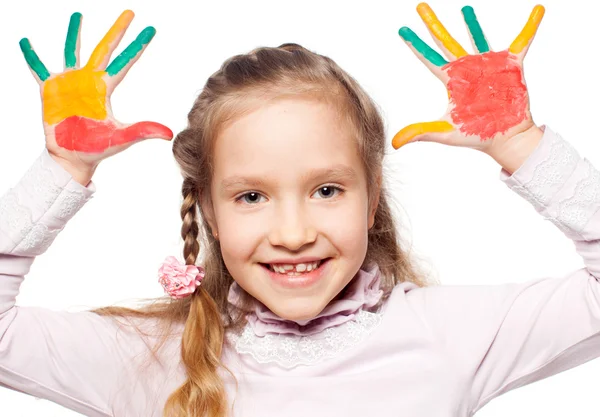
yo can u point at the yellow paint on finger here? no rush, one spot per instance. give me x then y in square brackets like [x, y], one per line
[439, 31]
[74, 93]
[529, 30]
[106, 45]
[411, 131]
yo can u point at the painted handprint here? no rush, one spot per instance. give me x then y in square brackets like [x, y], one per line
[76, 103]
[487, 95]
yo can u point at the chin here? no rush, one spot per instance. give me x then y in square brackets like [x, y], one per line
[299, 312]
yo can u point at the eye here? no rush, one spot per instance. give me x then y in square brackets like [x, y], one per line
[249, 198]
[328, 191]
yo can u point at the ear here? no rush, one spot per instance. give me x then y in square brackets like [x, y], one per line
[208, 213]
[375, 202]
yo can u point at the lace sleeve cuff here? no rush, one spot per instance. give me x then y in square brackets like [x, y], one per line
[561, 185]
[34, 211]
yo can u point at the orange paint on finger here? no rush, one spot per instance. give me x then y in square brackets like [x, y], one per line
[74, 93]
[439, 31]
[529, 30]
[114, 34]
[92, 136]
[411, 131]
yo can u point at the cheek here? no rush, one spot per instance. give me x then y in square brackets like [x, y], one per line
[238, 233]
[347, 228]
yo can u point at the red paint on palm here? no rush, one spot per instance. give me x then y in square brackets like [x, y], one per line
[488, 92]
[81, 134]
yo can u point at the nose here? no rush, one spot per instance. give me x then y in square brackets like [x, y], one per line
[292, 228]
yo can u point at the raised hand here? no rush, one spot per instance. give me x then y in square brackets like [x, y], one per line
[488, 99]
[78, 121]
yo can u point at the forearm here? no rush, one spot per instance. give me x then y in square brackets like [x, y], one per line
[32, 213]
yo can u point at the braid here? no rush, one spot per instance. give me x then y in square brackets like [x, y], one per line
[203, 336]
[189, 228]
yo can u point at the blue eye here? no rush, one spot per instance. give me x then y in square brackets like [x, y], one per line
[249, 198]
[328, 191]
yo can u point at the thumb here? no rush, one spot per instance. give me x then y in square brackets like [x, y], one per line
[143, 130]
[426, 131]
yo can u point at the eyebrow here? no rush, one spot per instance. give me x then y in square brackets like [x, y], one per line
[334, 173]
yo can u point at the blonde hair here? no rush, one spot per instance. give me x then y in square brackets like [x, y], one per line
[242, 83]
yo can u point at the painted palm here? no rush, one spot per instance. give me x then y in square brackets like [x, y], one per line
[487, 95]
[76, 103]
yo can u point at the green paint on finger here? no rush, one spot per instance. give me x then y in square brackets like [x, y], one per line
[33, 60]
[428, 53]
[131, 51]
[475, 29]
[71, 42]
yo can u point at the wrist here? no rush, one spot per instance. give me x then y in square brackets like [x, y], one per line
[80, 173]
[512, 152]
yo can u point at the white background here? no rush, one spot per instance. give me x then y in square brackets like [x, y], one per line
[465, 223]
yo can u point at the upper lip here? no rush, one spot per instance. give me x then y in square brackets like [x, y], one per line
[288, 261]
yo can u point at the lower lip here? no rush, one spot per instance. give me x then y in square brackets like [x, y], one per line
[299, 281]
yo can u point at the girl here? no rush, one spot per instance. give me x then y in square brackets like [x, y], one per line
[303, 301]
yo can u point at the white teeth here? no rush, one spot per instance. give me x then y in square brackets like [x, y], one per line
[294, 269]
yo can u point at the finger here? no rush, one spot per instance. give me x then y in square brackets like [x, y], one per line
[417, 130]
[96, 136]
[107, 45]
[122, 63]
[522, 42]
[451, 48]
[144, 130]
[72, 42]
[478, 39]
[424, 52]
[35, 64]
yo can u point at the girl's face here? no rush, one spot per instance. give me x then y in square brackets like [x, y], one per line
[289, 189]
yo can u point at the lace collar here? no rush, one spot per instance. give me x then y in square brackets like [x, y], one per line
[344, 323]
[362, 293]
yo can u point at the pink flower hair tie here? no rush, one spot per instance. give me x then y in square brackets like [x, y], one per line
[179, 280]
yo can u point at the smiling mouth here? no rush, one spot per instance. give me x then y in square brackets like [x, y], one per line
[294, 269]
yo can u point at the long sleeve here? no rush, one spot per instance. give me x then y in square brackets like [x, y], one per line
[506, 336]
[77, 359]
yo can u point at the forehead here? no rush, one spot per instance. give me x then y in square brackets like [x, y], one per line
[285, 136]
